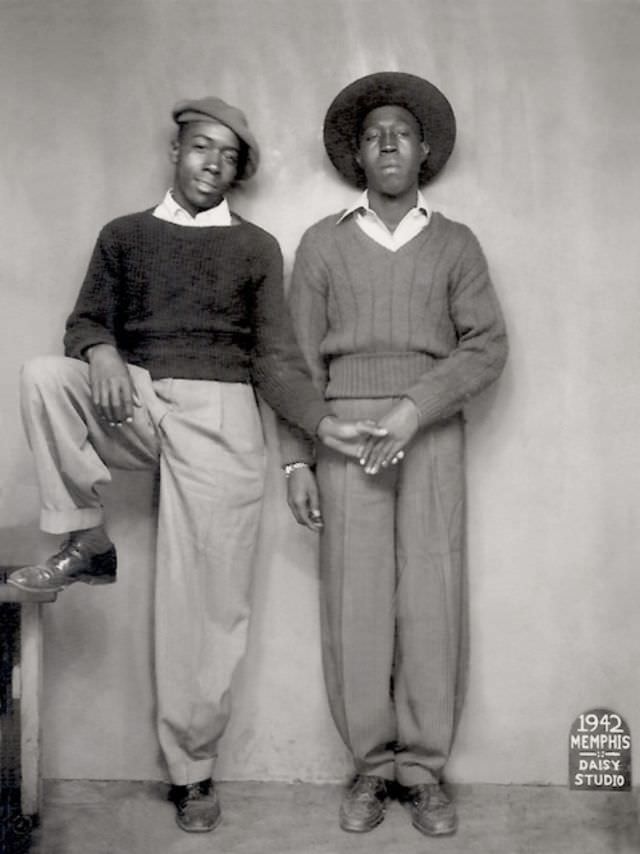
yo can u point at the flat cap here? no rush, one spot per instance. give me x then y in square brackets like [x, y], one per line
[349, 108]
[212, 107]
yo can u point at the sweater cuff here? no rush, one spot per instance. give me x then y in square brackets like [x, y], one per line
[433, 406]
[78, 349]
[314, 415]
[295, 446]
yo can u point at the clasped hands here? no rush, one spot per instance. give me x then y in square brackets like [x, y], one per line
[376, 445]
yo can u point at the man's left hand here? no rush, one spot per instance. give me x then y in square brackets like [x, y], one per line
[348, 437]
[401, 424]
[303, 498]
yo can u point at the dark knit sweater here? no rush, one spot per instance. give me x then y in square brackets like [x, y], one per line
[422, 322]
[195, 303]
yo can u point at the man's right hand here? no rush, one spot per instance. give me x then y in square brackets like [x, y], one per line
[348, 437]
[112, 391]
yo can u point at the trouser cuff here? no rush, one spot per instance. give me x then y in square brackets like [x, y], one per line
[416, 776]
[63, 521]
[184, 773]
[385, 770]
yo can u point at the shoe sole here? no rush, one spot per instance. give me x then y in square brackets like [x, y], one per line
[449, 831]
[199, 829]
[358, 828]
[86, 579]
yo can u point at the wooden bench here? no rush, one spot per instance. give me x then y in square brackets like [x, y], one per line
[20, 692]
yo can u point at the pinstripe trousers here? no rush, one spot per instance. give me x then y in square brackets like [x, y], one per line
[206, 437]
[393, 600]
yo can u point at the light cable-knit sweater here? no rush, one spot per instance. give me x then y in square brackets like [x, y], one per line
[422, 322]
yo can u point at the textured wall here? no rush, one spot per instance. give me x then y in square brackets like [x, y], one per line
[546, 173]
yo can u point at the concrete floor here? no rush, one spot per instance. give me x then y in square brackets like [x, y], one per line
[278, 818]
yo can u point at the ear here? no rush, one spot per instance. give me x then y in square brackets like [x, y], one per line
[357, 158]
[174, 151]
[424, 150]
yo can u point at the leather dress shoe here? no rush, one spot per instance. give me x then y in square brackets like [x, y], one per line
[74, 562]
[432, 812]
[363, 804]
[197, 806]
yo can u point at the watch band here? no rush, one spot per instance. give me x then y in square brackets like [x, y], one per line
[289, 468]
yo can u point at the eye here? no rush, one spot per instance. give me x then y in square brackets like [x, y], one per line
[371, 135]
[230, 157]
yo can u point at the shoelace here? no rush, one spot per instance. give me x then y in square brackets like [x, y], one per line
[194, 791]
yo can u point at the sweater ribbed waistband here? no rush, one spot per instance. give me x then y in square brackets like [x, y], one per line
[375, 374]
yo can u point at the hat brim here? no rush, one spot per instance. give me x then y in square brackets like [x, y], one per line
[424, 100]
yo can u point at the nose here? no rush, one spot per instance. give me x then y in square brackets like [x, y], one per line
[213, 160]
[388, 140]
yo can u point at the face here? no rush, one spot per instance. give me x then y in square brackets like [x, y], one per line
[206, 157]
[391, 150]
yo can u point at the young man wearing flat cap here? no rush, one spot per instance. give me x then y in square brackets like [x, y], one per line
[397, 317]
[181, 314]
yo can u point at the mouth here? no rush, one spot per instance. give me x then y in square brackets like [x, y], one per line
[206, 186]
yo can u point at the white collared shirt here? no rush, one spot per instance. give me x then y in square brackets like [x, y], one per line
[409, 226]
[171, 211]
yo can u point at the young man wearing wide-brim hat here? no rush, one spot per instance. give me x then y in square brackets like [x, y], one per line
[397, 317]
[180, 315]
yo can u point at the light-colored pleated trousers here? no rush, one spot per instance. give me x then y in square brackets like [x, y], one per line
[393, 600]
[207, 439]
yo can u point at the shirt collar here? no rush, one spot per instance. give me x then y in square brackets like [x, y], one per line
[219, 215]
[362, 204]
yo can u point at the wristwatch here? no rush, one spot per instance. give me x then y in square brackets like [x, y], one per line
[289, 468]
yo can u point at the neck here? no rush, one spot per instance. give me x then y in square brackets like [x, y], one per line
[189, 207]
[392, 209]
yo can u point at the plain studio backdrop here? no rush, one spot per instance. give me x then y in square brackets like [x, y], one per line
[546, 173]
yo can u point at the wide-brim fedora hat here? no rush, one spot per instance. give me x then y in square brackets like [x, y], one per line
[349, 108]
[205, 109]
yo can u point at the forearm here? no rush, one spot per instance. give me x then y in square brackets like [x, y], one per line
[279, 368]
[449, 386]
[481, 345]
[290, 393]
[82, 334]
[295, 445]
